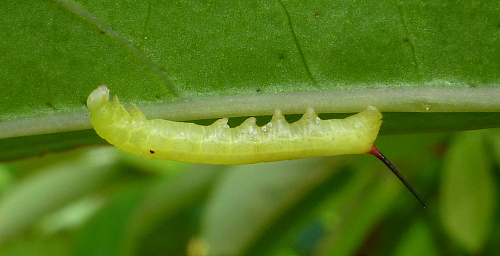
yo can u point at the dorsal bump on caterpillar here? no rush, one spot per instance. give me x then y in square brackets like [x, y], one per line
[248, 143]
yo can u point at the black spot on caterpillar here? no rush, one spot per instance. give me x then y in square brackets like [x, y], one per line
[248, 143]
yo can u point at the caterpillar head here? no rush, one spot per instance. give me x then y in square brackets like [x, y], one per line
[98, 97]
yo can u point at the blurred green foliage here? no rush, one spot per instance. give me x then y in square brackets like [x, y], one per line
[99, 201]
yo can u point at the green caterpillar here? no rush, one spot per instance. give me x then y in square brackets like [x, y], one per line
[248, 143]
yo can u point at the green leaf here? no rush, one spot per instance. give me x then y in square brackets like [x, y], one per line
[169, 203]
[361, 207]
[419, 240]
[55, 246]
[493, 137]
[210, 59]
[468, 195]
[254, 204]
[18, 147]
[51, 188]
[107, 229]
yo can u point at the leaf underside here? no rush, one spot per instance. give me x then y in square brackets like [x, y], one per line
[168, 52]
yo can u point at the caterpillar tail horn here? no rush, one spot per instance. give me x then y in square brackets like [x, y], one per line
[374, 151]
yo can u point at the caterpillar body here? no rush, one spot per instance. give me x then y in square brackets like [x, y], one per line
[248, 143]
[219, 144]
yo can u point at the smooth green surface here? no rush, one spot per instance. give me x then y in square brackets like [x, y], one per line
[468, 191]
[210, 59]
[19, 147]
